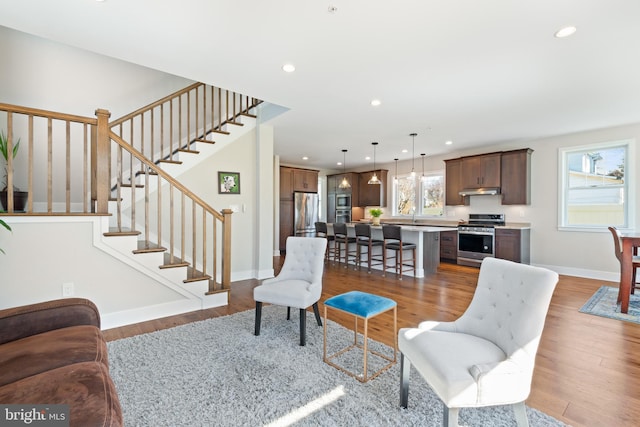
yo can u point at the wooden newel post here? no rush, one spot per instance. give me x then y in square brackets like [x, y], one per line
[100, 162]
[226, 249]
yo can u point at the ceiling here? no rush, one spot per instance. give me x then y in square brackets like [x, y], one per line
[474, 72]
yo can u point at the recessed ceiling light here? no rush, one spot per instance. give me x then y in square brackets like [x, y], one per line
[405, 151]
[288, 68]
[305, 158]
[565, 32]
[339, 163]
[376, 102]
[449, 142]
[367, 158]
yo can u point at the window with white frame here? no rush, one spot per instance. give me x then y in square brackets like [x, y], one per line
[419, 195]
[596, 186]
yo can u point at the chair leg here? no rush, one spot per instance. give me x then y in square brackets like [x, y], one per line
[450, 417]
[384, 261]
[288, 313]
[520, 411]
[303, 326]
[317, 313]
[258, 317]
[405, 369]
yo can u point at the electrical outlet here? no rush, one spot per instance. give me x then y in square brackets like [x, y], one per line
[67, 289]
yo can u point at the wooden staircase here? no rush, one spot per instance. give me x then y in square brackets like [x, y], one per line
[128, 170]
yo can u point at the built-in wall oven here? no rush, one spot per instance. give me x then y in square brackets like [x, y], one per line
[477, 238]
[343, 201]
[343, 215]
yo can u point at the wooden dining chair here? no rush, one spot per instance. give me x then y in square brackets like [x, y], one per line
[617, 246]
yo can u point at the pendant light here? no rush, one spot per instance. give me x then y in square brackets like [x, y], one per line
[422, 155]
[413, 151]
[344, 183]
[396, 177]
[374, 179]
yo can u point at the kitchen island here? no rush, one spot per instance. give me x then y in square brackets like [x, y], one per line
[426, 239]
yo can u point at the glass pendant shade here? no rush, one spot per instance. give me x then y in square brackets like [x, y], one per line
[374, 178]
[344, 183]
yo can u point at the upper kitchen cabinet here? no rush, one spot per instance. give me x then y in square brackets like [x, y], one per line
[333, 184]
[453, 180]
[516, 177]
[373, 194]
[293, 179]
[286, 183]
[305, 180]
[481, 171]
[507, 173]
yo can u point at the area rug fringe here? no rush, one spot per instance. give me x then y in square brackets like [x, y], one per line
[217, 373]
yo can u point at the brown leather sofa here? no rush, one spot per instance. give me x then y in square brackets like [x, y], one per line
[54, 353]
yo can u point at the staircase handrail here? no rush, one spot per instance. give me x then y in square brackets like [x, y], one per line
[224, 217]
[138, 155]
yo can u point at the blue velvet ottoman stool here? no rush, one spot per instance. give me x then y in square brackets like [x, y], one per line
[362, 306]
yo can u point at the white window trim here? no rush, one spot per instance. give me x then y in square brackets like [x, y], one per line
[629, 171]
[418, 194]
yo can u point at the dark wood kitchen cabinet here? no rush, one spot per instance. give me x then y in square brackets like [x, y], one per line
[286, 223]
[513, 244]
[286, 183]
[305, 180]
[481, 171]
[453, 183]
[516, 177]
[372, 194]
[449, 246]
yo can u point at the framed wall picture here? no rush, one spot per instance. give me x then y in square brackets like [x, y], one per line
[228, 182]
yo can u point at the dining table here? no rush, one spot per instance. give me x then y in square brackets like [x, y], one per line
[630, 241]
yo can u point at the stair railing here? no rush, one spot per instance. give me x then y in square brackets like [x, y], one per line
[162, 129]
[61, 170]
[175, 219]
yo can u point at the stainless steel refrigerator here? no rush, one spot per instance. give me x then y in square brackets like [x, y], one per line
[306, 208]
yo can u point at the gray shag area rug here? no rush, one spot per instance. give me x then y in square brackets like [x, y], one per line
[217, 373]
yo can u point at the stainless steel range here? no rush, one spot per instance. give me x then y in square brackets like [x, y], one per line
[477, 238]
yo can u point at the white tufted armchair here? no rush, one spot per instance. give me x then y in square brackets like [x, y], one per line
[486, 357]
[299, 283]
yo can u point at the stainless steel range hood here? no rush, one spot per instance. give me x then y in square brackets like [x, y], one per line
[487, 191]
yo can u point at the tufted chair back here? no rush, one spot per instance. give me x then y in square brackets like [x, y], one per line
[509, 307]
[305, 261]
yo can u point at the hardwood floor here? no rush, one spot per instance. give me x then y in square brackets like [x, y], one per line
[588, 367]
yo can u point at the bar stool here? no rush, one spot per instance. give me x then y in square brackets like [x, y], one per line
[322, 231]
[341, 238]
[392, 236]
[364, 240]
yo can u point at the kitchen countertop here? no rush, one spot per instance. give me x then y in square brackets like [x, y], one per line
[445, 223]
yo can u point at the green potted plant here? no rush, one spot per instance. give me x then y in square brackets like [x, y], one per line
[375, 215]
[19, 197]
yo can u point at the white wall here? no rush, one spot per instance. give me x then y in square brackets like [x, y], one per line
[41, 255]
[251, 225]
[39, 73]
